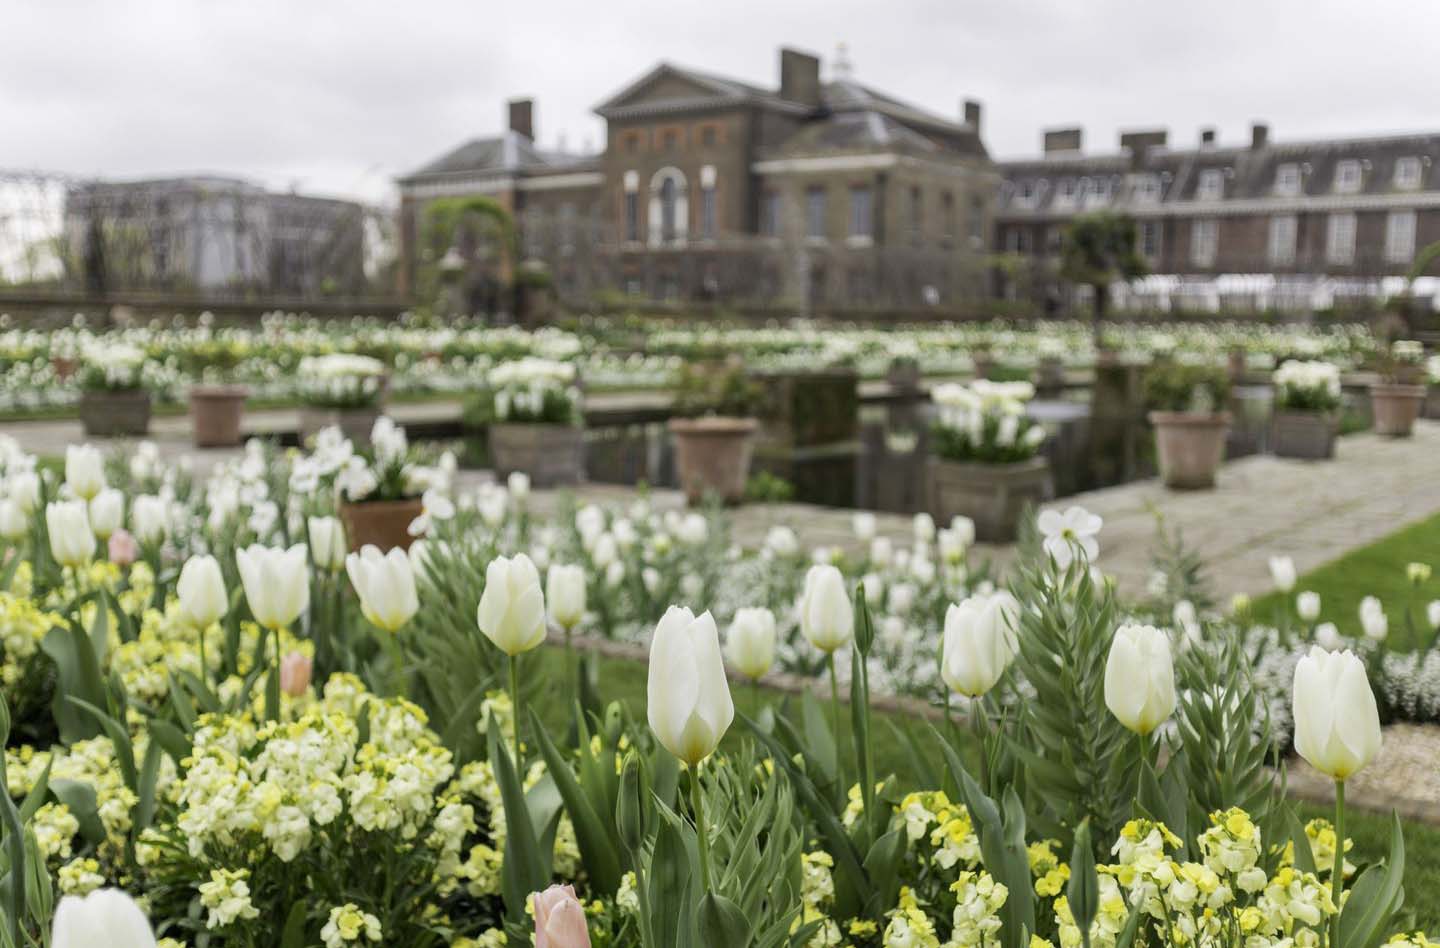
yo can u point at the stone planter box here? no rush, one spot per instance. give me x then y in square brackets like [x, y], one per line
[115, 414]
[552, 455]
[355, 423]
[712, 456]
[1305, 435]
[1395, 407]
[215, 414]
[995, 496]
[380, 523]
[1190, 447]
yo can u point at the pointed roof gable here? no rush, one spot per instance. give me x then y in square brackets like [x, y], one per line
[671, 88]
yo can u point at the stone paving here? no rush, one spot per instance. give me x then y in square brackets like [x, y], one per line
[1312, 511]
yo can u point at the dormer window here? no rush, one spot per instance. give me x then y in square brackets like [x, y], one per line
[1347, 177]
[1211, 186]
[1287, 180]
[1066, 192]
[1030, 190]
[1407, 173]
[1147, 189]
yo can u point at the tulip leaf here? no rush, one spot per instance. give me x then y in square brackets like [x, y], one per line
[77, 675]
[170, 738]
[672, 880]
[722, 922]
[1377, 895]
[1083, 889]
[119, 736]
[79, 797]
[148, 779]
[294, 934]
[601, 857]
[523, 870]
[882, 865]
[821, 756]
[1303, 856]
[36, 797]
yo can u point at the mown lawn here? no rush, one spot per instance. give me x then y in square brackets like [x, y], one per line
[1374, 570]
[626, 681]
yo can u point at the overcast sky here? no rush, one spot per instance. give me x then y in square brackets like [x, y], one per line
[339, 96]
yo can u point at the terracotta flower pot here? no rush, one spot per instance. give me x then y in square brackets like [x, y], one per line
[381, 523]
[1395, 407]
[995, 496]
[1305, 435]
[712, 456]
[355, 423]
[215, 414]
[1191, 446]
[115, 414]
[552, 455]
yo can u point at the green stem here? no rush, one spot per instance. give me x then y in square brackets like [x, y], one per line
[204, 665]
[834, 700]
[697, 803]
[1337, 874]
[977, 729]
[515, 710]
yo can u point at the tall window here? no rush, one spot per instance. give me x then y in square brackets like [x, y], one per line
[1347, 177]
[1340, 238]
[567, 229]
[1150, 239]
[667, 210]
[862, 208]
[947, 216]
[1146, 189]
[916, 214]
[1407, 173]
[1282, 239]
[977, 223]
[632, 206]
[1400, 236]
[1204, 241]
[708, 226]
[1211, 186]
[815, 212]
[1287, 180]
[770, 214]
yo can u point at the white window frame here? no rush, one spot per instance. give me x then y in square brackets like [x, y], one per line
[1400, 237]
[1348, 176]
[862, 213]
[816, 212]
[1280, 242]
[1287, 179]
[1204, 241]
[1409, 181]
[1151, 225]
[1340, 238]
[1146, 189]
[1211, 185]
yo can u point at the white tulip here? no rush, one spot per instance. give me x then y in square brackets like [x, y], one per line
[1432, 613]
[565, 594]
[149, 516]
[924, 527]
[864, 525]
[881, 551]
[750, 646]
[1282, 573]
[1337, 725]
[1373, 619]
[688, 697]
[13, 522]
[327, 543]
[693, 529]
[518, 483]
[105, 917]
[1327, 636]
[277, 582]
[1140, 678]
[72, 542]
[963, 529]
[512, 607]
[782, 541]
[385, 584]
[201, 588]
[1187, 620]
[980, 642]
[826, 616]
[84, 470]
[23, 487]
[107, 512]
[1307, 605]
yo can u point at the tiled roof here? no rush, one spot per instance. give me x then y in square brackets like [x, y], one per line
[508, 153]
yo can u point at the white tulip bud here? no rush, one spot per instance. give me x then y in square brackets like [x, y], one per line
[1337, 724]
[518, 483]
[924, 527]
[963, 529]
[1307, 605]
[1282, 573]
[106, 917]
[327, 543]
[565, 594]
[827, 619]
[84, 470]
[276, 581]
[23, 487]
[1373, 619]
[72, 542]
[512, 607]
[13, 522]
[149, 517]
[1140, 678]
[1432, 613]
[201, 588]
[980, 642]
[107, 512]
[688, 697]
[385, 584]
[693, 529]
[750, 646]
[1327, 636]
[881, 551]
[864, 525]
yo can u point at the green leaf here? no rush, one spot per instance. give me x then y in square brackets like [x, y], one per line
[864, 626]
[119, 735]
[1376, 896]
[882, 865]
[523, 870]
[77, 675]
[80, 798]
[597, 849]
[671, 879]
[722, 922]
[1083, 889]
[294, 934]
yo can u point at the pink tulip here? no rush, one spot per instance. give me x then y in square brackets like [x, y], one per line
[560, 919]
[295, 670]
[122, 548]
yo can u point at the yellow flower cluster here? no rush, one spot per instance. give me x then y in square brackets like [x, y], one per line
[23, 626]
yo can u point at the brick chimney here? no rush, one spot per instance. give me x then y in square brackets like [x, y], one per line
[1259, 135]
[1063, 139]
[972, 113]
[1207, 138]
[800, 77]
[1139, 143]
[522, 117]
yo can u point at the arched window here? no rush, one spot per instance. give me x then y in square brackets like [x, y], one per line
[669, 207]
[667, 210]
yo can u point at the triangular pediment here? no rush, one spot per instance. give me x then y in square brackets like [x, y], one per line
[667, 84]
